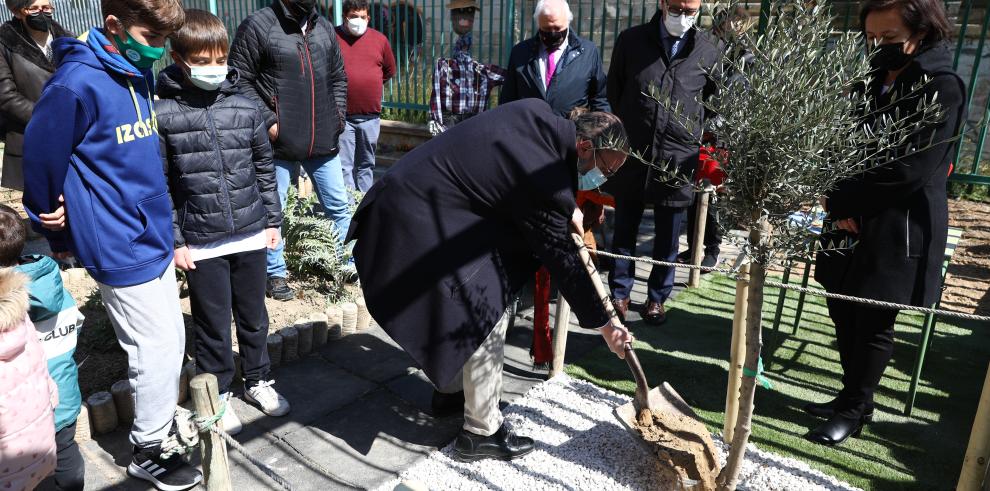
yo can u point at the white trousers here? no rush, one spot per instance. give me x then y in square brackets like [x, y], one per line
[481, 379]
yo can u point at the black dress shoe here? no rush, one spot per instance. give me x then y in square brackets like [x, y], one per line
[503, 445]
[654, 313]
[447, 404]
[836, 430]
[709, 261]
[685, 257]
[826, 410]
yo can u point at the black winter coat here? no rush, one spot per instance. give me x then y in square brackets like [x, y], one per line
[296, 78]
[901, 207]
[24, 69]
[639, 61]
[579, 80]
[217, 159]
[460, 223]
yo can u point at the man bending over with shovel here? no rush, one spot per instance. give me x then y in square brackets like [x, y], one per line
[458, 225]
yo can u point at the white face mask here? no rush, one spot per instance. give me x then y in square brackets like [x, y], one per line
[677, 25]
[208, 77]
[357, 26]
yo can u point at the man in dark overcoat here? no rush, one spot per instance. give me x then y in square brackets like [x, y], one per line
[669, 55]
[449, 235]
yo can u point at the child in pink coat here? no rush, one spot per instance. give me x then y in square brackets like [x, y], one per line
[27, 393]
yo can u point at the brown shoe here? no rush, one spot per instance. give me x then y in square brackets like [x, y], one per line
[621, 306]
[654, 313]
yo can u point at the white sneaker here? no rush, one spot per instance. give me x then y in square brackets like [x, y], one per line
[231, 423]
[265, 397]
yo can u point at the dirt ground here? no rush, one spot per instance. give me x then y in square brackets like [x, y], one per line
[968, 281]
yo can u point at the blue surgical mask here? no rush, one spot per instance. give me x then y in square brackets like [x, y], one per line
[593, 179]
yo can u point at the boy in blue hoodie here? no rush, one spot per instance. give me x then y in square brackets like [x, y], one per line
[57, 322]
[94, 185]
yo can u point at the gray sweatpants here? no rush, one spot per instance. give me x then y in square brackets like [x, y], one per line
[149, 326]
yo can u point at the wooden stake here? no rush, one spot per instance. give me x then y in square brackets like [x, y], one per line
[123, 399]
[275, 349]
[321, 329]
[102, 412]
[698, 253]
[290, 344]
[206, 402]
[974, 468]
[305, 329]
[561, 324]
[737, 353]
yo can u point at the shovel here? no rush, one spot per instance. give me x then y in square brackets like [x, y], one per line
[663, 398]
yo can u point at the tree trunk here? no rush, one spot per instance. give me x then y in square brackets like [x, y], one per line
[729, 477]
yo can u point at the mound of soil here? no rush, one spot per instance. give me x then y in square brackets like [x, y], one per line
[687, 458]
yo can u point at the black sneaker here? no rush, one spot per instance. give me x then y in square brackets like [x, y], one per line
[278, 289]
[685, 257]
[166, 474]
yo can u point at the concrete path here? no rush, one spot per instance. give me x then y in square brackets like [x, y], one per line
[360, 411]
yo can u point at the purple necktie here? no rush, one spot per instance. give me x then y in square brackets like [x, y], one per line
[551, 65]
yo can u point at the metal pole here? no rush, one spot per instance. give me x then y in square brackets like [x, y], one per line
[338, 14]
[213, 7]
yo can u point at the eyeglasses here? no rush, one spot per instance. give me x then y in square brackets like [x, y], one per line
[464, 11]
[40, 8]
[679, 11]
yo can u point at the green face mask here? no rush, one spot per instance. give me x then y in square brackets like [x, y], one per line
[140, 55]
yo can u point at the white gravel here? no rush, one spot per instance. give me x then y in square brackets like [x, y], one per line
[581, 446]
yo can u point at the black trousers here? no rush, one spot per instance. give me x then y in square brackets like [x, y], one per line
[865, 337]
[218, 286]
[70, 469]
[713, 233]
[667, 224]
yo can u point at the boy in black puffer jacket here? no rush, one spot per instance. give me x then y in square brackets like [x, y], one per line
[226, 209]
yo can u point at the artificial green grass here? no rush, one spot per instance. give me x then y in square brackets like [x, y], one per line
[924, 451]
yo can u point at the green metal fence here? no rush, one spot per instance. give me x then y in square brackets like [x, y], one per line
[420, 32]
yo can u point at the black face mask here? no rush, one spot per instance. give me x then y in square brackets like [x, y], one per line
[301, 8]
[553, 40]
[39, 22]
[890, 57]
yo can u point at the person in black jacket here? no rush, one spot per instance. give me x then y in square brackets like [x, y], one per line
[455, 228]
[226, 209]
[25, 65]
[673, 56]
[897, 213]
[556, 65]
[291, 66]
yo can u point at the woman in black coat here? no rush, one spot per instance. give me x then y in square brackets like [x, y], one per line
[25, 65]
[895, 214]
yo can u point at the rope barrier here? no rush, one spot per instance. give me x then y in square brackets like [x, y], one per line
[809, 291]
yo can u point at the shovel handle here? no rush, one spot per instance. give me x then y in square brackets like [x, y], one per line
[589, 264]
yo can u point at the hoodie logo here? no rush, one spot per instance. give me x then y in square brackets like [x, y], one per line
[127, 133]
